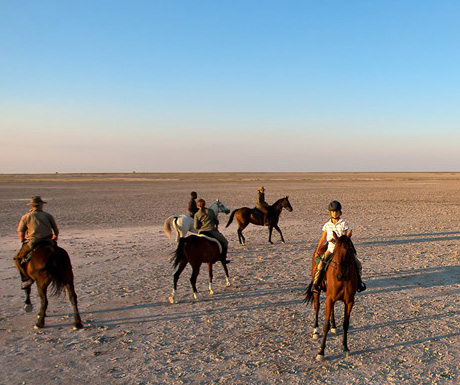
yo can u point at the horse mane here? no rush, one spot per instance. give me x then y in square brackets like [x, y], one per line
[344, 239]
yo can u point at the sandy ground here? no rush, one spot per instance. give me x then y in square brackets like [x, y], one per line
[405, 329]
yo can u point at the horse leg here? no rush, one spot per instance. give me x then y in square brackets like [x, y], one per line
[329, 306]
[241, 236]
[210, 278]
[333, 325]
[177, 274]
[346, 323]
[27, 304]
[270, 230]
[73, 300]
[195, 272]
[316, 305]
[44, 305]
[227, 279]
[279, 231]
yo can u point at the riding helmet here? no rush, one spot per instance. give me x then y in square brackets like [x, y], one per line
[335, 206]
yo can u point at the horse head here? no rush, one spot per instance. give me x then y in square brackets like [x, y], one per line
[221, 208]
[344, 254]
[286, 204]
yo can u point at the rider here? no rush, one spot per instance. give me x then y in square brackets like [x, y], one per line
[34, 227]
[192, 208]
[206, 223]
[340, 227]
[261, 204]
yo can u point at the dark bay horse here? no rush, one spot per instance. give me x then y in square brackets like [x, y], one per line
[341, 285]
[49, 264]
[244, 216]
[196, 250]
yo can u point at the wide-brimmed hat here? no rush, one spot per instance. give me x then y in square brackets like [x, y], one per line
[36, 201]
[262, 189]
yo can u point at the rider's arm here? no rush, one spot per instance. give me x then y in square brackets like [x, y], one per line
[54, 227]
[196, 222]
[321, 244]
[22, 236]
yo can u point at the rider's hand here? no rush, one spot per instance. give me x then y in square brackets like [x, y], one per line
[54, 238]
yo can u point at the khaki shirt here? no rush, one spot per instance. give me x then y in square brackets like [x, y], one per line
[205, 220]
[38, 225]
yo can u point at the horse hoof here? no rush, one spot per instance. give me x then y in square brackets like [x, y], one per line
[28, 307]
[315, 336]
[334, 331]
[211, 291]
[38, 326]
[319, 357]
[345, 355]
[77, 327]
[228, 284]
[172, 300]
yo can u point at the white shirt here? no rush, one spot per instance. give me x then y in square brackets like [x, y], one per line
[339, 229]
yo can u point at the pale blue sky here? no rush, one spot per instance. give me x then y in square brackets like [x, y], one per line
[229, 86]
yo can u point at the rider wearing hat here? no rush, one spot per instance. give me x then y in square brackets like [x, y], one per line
[205, 221]
[339, 226]
[261, 204]
[34, 227]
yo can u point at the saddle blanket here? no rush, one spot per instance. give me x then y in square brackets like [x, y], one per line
[209, 238]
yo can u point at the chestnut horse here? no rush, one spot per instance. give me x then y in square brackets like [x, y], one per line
[196, 249]
[49, 264]
[244, 216]
[341, 285]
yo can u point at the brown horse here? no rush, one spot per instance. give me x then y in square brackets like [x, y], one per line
[49, 264]
[196, 249]
[244, 216]
[341, 285]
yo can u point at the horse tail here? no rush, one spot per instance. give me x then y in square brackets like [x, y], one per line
[169, 225]
[308, 294]
[57, 268]
[231, 218]
[179, 254]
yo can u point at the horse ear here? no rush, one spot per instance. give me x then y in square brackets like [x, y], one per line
[334, 235]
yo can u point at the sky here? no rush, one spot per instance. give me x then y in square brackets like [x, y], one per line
[180, 85]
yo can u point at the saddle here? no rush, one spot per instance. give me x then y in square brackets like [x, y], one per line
[210, 239]
[43, 242]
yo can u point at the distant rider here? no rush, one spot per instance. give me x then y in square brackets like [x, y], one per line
[261, 204]
[34, 227]
[339, 226]
[206, 223]
[192, 207]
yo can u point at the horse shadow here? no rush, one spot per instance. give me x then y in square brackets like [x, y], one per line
[416, 278]
[253, 291]
[413, 238]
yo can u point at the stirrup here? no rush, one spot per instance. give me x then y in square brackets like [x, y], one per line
[27, 284]
[315, 288]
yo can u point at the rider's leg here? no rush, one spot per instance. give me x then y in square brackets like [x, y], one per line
[18, 261]
[359, 270]
[223, 241]
[319, 271]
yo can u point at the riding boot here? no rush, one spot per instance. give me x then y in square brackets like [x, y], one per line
[318, 277]
[223, 256]
[25, 279]
[361, 285]
[359, 271]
